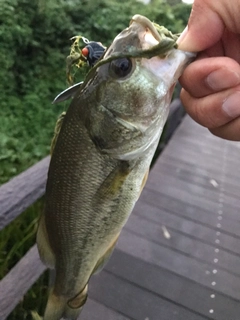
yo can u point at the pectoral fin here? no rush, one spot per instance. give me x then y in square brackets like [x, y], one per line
[112, 185]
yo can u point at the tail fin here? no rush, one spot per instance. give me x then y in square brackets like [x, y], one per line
[59, 307]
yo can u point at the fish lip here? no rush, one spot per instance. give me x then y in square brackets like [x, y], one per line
[145, 22]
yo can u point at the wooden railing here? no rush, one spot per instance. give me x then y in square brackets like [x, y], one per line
[21, 192]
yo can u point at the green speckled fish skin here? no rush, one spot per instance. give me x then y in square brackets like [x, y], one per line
[100, 161]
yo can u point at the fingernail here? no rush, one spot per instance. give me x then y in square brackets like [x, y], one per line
[182, 35]
[222, 79]
[232, 105]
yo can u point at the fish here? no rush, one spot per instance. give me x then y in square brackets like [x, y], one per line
[102, 151]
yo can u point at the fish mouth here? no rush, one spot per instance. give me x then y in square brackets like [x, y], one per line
[152, 36]
[147, 24]
[142, 39]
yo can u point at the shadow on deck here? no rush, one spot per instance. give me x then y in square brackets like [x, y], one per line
[178, 257]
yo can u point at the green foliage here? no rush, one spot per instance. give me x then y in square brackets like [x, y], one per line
[34, 37]
[30, 54]
[182, 13]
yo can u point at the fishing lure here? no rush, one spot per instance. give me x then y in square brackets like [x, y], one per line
[91, 53]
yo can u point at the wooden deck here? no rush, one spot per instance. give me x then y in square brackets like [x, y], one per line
[193, 191]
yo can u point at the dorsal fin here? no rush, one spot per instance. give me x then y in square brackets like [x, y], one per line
[56, 131]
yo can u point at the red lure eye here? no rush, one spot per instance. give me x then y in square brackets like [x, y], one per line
[85, 52]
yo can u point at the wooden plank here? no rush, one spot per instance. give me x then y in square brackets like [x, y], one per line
[194, 144]
[174, 261]
[134, 301]
[193, 134]
[186, 226]
[187, 173]
[22, 191]
[181, 195]
[191, 131]
[188, 210]
[230, 225]
[199, 162]
[214, 157]
[150, 229]
[195, 168]
[163, 183]
[94, 310]
[17, 282]
[173, 181]
[206, 143]
[160, 179]
[179, 207]
[171, 286]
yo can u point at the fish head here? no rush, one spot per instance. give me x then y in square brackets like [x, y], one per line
[131, 89]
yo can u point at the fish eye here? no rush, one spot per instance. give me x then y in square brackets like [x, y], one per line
[120, 68]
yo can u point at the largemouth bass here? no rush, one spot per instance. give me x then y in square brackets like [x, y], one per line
[101, 158]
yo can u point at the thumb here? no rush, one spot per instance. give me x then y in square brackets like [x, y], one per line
[205, 28]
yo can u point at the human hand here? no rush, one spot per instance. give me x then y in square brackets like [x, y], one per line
[211, 84]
